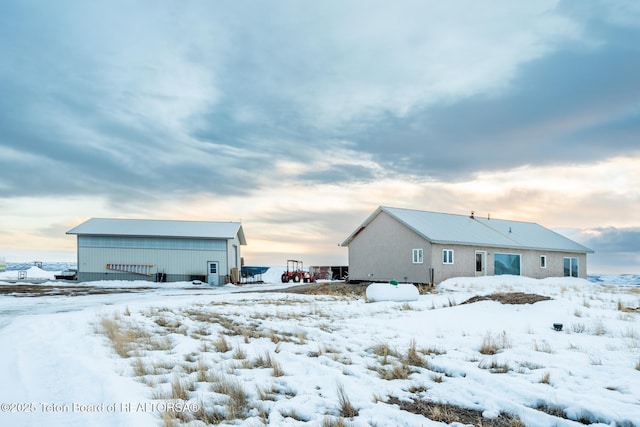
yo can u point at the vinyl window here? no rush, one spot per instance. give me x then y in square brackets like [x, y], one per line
[447, 256]
[418, 256]
[543, 261]
[506, 264]
[570, 266]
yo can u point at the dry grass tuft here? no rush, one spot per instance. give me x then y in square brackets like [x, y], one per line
[334, 422]
[384, 351]
[542, 346]
[396, 371]
[237, 397]
[413, 357]
[446, 413]
[179, 389]
[346, 407]
[546, 378]
[124, 339]
[492, 344]
[221, 344]
[494, 367]
[268, 361]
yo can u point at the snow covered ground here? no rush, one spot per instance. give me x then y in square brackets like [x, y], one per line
[185, 354]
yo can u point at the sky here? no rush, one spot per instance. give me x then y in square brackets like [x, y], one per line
[300, 118]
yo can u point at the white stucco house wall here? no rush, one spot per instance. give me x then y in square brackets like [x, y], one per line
[429, 247]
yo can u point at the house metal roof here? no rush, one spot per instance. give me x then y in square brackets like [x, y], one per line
[160, 228]
[444, 228]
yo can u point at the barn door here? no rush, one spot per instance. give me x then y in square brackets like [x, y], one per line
[212, 273]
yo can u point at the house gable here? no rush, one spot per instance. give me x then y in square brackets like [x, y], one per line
[468, 241]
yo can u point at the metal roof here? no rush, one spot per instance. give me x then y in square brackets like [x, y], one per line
[160, 228]
[444, 228]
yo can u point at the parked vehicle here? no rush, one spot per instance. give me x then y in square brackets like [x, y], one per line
[295, 272]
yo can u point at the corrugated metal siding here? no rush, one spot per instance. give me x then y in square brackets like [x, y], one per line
[181, 257]
[151, 243]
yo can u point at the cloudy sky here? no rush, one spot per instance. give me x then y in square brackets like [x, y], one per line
[299, 118]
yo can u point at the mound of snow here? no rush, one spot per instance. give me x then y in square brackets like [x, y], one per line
[389, 292]
[32, 273]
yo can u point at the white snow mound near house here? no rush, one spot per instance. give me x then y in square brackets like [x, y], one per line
[388, 292]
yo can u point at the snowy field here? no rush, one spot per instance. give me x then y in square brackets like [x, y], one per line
[184, 354]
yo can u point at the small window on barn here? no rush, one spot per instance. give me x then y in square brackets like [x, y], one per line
[418, 256]
[543, 261]
[447, 256]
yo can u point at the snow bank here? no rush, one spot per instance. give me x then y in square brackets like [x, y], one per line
[32, 273]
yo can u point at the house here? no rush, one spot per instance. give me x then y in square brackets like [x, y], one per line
[429, 247]
[158, 250]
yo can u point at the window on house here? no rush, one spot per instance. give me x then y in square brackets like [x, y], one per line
[418, 256]
[447, 256]
[543, 261]
[570, 266]
[506, 264]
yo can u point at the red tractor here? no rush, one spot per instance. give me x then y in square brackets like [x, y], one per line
[295, 272]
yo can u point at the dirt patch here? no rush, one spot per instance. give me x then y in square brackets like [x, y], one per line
[62, 290]
[443, 412]
[328, 288]
[509, 298]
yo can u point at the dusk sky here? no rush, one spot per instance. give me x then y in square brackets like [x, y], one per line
[300, 118]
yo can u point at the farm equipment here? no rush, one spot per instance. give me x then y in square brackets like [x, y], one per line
[295, 272]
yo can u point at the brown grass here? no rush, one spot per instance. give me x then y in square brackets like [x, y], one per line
[546, 378]
[493, 344]
[494, 367]
[345, 406]
[413, 357]
[124, 339]
[509, 298]
[396, 371]
[237, 397]
[447, 413]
